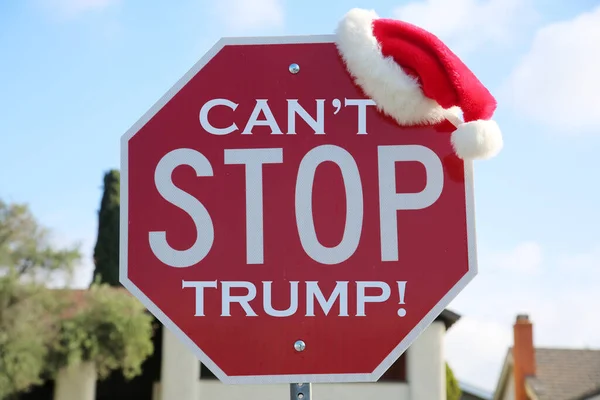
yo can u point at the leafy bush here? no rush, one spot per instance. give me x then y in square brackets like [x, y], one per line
[111, 329]
[453, 391]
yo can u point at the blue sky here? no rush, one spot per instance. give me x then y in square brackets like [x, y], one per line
[76, 74]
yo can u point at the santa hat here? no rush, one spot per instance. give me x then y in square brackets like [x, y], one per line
[415, 79]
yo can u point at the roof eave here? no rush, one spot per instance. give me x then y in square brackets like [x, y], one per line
[448, 317]
[530, 391]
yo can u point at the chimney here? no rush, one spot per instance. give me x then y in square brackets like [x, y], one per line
[523, 354]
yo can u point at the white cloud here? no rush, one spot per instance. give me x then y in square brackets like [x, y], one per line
[466, 25]
[525, 257]
[72, 8]
[586, 263]
[557, 82]
[560, 298]
[242, 15]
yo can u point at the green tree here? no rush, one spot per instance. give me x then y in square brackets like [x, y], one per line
[453, 391]
[43, 329]
[25, 330]
[25, 247]
[27, 307]
[106, 251]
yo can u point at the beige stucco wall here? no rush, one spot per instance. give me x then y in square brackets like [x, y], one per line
[180, 370]
[76, 383]
[425, 374]
[354, 391]
[509, 392]
[348, 391]
[426, 369]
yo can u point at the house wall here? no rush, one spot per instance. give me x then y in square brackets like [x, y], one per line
[509, 391]
[348, 391]
[76, 383]
[332, 391]
[180, 370]
[426, 368]
[426, 379]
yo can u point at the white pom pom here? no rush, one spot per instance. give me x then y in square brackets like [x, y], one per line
[479, 139]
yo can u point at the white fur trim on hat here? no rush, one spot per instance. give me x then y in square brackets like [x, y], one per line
[479, 139]
[396, 93]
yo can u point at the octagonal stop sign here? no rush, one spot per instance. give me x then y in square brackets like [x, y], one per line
[281, 226]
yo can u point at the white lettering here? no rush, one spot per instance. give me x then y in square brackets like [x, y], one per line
[317, 125]
[262, 106]
[268, 303]
[390, 201]
[188, 203]
[254, 159]
[208, 127]
[199, 285]
[313, 292]
[362, 112]
[244, 300]
[294, 109]
[362, 298]
[354, 204]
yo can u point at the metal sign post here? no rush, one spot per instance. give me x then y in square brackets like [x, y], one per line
[300, 391]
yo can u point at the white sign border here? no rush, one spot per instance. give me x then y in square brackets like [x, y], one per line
[166, 321]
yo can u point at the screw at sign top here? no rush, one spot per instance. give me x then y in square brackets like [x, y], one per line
[294, 68]
[299, 345]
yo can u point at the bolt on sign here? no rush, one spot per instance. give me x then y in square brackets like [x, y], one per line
[282, 226]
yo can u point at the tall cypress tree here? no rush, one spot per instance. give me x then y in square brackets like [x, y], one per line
[106, 252]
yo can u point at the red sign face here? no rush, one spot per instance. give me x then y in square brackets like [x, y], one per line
[281, 226]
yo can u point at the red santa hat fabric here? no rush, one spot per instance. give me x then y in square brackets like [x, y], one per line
[416, 79]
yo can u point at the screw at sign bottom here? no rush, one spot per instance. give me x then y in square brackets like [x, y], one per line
[300, 391]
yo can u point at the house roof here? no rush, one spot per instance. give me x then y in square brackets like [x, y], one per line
[561, 374]
[448, 317]
[565, 374]
[471, 392]
[76, 299]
